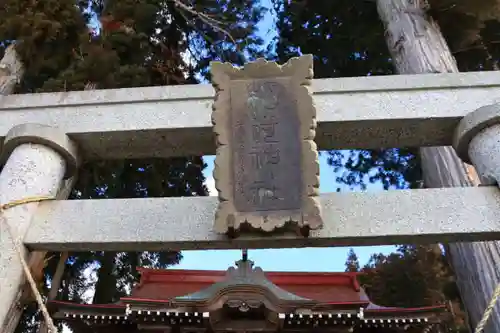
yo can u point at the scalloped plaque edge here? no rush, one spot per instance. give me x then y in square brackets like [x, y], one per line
[227, 219]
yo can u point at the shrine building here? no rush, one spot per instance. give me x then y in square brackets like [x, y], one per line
[244, 299]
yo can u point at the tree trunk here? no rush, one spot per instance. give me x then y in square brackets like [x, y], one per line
[417, 47]
[105, 287]
[54, 285]
[11, 71]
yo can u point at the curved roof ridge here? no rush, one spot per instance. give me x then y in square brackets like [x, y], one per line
[244, 275]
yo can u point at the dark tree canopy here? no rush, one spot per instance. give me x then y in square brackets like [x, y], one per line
[412, 276]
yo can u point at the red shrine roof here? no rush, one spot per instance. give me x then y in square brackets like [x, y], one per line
[328, 288]
[316, 291]
[215, 301]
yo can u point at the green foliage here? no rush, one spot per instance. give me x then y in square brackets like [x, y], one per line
[413, 276]
[44, 31]
[123, 54]
[421, 267]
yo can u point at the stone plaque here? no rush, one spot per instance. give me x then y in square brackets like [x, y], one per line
[266, 167]
[267, 150]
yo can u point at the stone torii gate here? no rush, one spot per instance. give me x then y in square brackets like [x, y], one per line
[46, 135]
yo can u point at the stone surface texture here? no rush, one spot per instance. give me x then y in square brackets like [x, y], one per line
[357, 113]
[484, 152]
[34, 156]
[266, 167]
[31, 170]
[45, 135]
[477, 140]
[350, 219]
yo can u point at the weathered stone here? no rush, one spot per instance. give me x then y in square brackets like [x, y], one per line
[266, 167]
[352, 113]
[32, 170]
[476, 142]
[45, 135]
[424, 216]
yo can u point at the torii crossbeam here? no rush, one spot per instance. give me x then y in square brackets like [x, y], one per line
[353, 113]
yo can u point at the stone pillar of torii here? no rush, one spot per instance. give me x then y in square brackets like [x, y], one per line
[37, 158]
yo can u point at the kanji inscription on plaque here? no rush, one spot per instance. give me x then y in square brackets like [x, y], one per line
[266, 154]
[266, 167]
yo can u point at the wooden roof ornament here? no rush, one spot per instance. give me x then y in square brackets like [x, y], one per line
[266, 167]
[246, 299]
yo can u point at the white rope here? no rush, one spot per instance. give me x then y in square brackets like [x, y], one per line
[489, 310]
[18, 247]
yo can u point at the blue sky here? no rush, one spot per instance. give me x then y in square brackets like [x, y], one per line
[305, 259]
